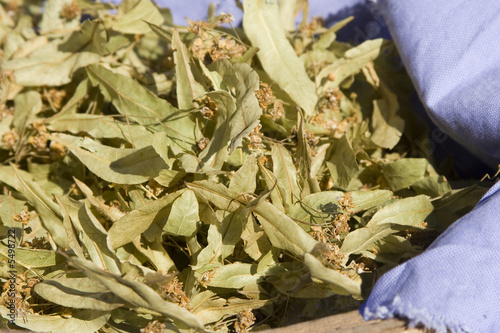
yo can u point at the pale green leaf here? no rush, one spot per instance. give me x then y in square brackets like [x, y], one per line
[286, 174]
[243, 180]
[111, 213]
[210, 254]
[73, 241]
[405, 172]
[187, 87]
[209, 308]
[53, 21]
[363, 238]
[133, 224]
[13, 42]
[222, 197]
[72, 104]
[222, 239]
[245, 81]
[405, 212]
[54, 64]
[156, 254]
[318, 159]
[307, 181]
[255, 242]
[354, 60]
[97, 246]
[433, 186]
[387, 125]
[288, 12]
[329, 37]
[343, 165]
[162, 32]
[134, 22]
[99, 127]
[282, 231]
[395, 244]
[169, 178]
[81, 321]
[32, 258]
[79, 293]
[91, 234]
[27, 105]
[133, 100]
[363, 200]
[215, 153]
[46, 208]
[271, 183]
[121, 166]
[183, 216]
[338, 282]
[138, 294]
[317, 208]
[263, 28]
[129, 97]
[235, 276]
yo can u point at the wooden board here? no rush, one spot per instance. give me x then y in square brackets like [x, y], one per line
[350, 322]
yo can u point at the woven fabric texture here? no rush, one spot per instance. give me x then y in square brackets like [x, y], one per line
[451, 51]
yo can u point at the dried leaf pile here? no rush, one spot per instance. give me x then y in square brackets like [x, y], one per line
[203, 178]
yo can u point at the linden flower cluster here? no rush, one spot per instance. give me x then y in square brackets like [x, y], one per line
[212, 43]
[10, 139]
[338, 127]
[154, 189]
[54, 97]
[209, 108]
[40, 142]
[226, 48]
[333, 255]
[23, 217]
[266, 98]
[245, 319]
[154, 326]
[71, 11]
[341, 221]
[23, 294]
[202, 143]
[316, 23]
[207, 277]
[255, 139]
[40, 243]
[173, 290]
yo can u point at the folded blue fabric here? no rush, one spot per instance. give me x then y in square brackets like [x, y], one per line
[450, 52]
[454, 283]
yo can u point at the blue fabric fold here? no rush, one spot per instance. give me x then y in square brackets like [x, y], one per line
[451, 53]
[454, 283]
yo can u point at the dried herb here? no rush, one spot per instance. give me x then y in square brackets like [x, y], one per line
[180, 179]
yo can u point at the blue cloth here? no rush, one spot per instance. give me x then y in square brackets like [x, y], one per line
[454, 283]
[452, 53]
